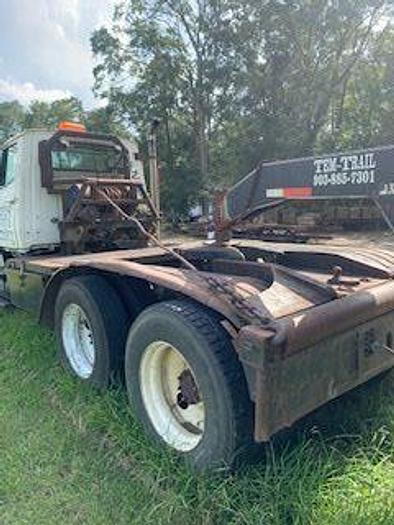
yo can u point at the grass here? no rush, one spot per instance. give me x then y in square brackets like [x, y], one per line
[71, 455]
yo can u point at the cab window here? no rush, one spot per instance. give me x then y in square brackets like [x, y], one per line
[89, 159]
[8, 165]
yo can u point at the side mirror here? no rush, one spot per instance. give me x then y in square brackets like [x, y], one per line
[2, 167]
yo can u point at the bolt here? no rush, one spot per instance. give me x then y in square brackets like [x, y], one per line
[182, 403]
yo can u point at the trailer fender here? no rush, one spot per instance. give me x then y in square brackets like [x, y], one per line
[154, 279]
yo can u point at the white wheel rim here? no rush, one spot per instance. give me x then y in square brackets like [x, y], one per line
[160, 382]
[78, 342]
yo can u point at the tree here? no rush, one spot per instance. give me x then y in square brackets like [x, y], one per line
[48, 115]
[11, 119]
[244, 80]
[165, 59]
[362, 115]
[104, 120]
[14, 117]
[301, 57]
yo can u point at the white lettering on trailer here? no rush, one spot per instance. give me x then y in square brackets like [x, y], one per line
[388, 189]
[345, 169]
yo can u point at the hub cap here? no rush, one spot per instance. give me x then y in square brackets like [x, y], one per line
[171, 396]
[78, 342]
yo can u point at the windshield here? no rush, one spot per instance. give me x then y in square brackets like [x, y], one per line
[87, 159]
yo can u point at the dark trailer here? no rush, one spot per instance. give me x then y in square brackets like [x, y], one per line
[365, 174]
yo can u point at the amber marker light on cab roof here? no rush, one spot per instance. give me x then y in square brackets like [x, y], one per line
[71, 126]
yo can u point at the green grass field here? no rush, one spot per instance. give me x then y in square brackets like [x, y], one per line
[71, 455]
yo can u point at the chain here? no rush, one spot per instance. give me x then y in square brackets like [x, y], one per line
[240, 303]
[250, 312]
[147, 234]
[218, 285]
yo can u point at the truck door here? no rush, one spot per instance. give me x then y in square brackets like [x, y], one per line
[8, 158]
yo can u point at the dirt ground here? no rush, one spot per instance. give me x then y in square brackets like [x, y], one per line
[380, 238]
[383, 239]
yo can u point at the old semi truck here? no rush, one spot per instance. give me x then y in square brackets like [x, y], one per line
[219, 346]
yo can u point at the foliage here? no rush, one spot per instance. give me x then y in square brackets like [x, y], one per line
[14, 117]
[104, 120]
[362, 115]
[44, 114]
[246, 81]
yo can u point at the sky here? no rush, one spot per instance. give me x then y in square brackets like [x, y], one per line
[45, 50]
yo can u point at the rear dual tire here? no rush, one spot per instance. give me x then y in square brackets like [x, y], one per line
[91, 328]
[183, 378]
[212, 427]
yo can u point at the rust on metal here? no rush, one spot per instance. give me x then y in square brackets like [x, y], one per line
[300, 338]
[188, 392]
[266, 290]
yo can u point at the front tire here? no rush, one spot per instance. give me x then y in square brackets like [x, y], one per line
[187, 385]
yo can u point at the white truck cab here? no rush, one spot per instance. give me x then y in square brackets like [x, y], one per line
[30, 214]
